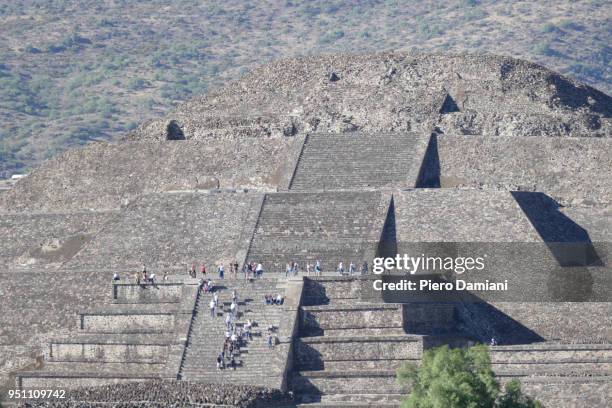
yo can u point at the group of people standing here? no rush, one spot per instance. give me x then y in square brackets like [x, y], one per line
[250, 269]
[293, 268]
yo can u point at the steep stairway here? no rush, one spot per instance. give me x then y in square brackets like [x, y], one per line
[328, 226]
[358, 160]
[256, 363]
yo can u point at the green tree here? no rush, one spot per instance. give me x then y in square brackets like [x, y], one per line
[458, 378]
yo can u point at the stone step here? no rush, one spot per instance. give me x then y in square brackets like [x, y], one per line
[126, 368]
[551, 352]
[112, 349]
[351, 400]
[346, 382]
[128, 319]
[553, 369]
[71, 379]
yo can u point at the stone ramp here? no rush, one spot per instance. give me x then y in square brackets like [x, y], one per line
[256, 363]
[174, 230]
[359, 160]
[328, 226]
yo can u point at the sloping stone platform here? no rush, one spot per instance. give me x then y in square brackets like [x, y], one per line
[174, 230]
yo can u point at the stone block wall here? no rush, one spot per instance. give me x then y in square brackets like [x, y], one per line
[67, 383]
[311, 351]
[134, 293]
[149, 353]
[127, 323]
[315, 318]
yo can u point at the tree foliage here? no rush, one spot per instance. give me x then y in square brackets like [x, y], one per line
[459, 378]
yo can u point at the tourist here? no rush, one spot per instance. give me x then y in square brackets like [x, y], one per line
[203, 270]
[219, 361]
[318, 268]
[152, 279]
[235, 267]
[221, 271]
[259, 270]
[295, 268]
[233, 363]
[340, 269]
[192, 271]
[165, 277]
[247, 329]
[352, 268]
[279, 299]
[364, 268]
[216, 299]
[287, 269]
[270, 341]
[137, 278]
[493, 342]
[308, 268]
[116, 276]
[234, 309]
[234, 296]
[228, 322]
[212, 306]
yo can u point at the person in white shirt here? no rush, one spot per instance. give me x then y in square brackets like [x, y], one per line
[234, 308]
[116, 276]
[259, 270]
[340, 268]
[212, 306]
[228, 322]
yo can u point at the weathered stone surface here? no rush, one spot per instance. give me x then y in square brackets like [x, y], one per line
[398, 92]
[338, 228]
[360, 160]
[168, 394]
[174, 230]
[485, 125]
[108, 176]
[42, 240]
[449, 215]
[573, 171]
